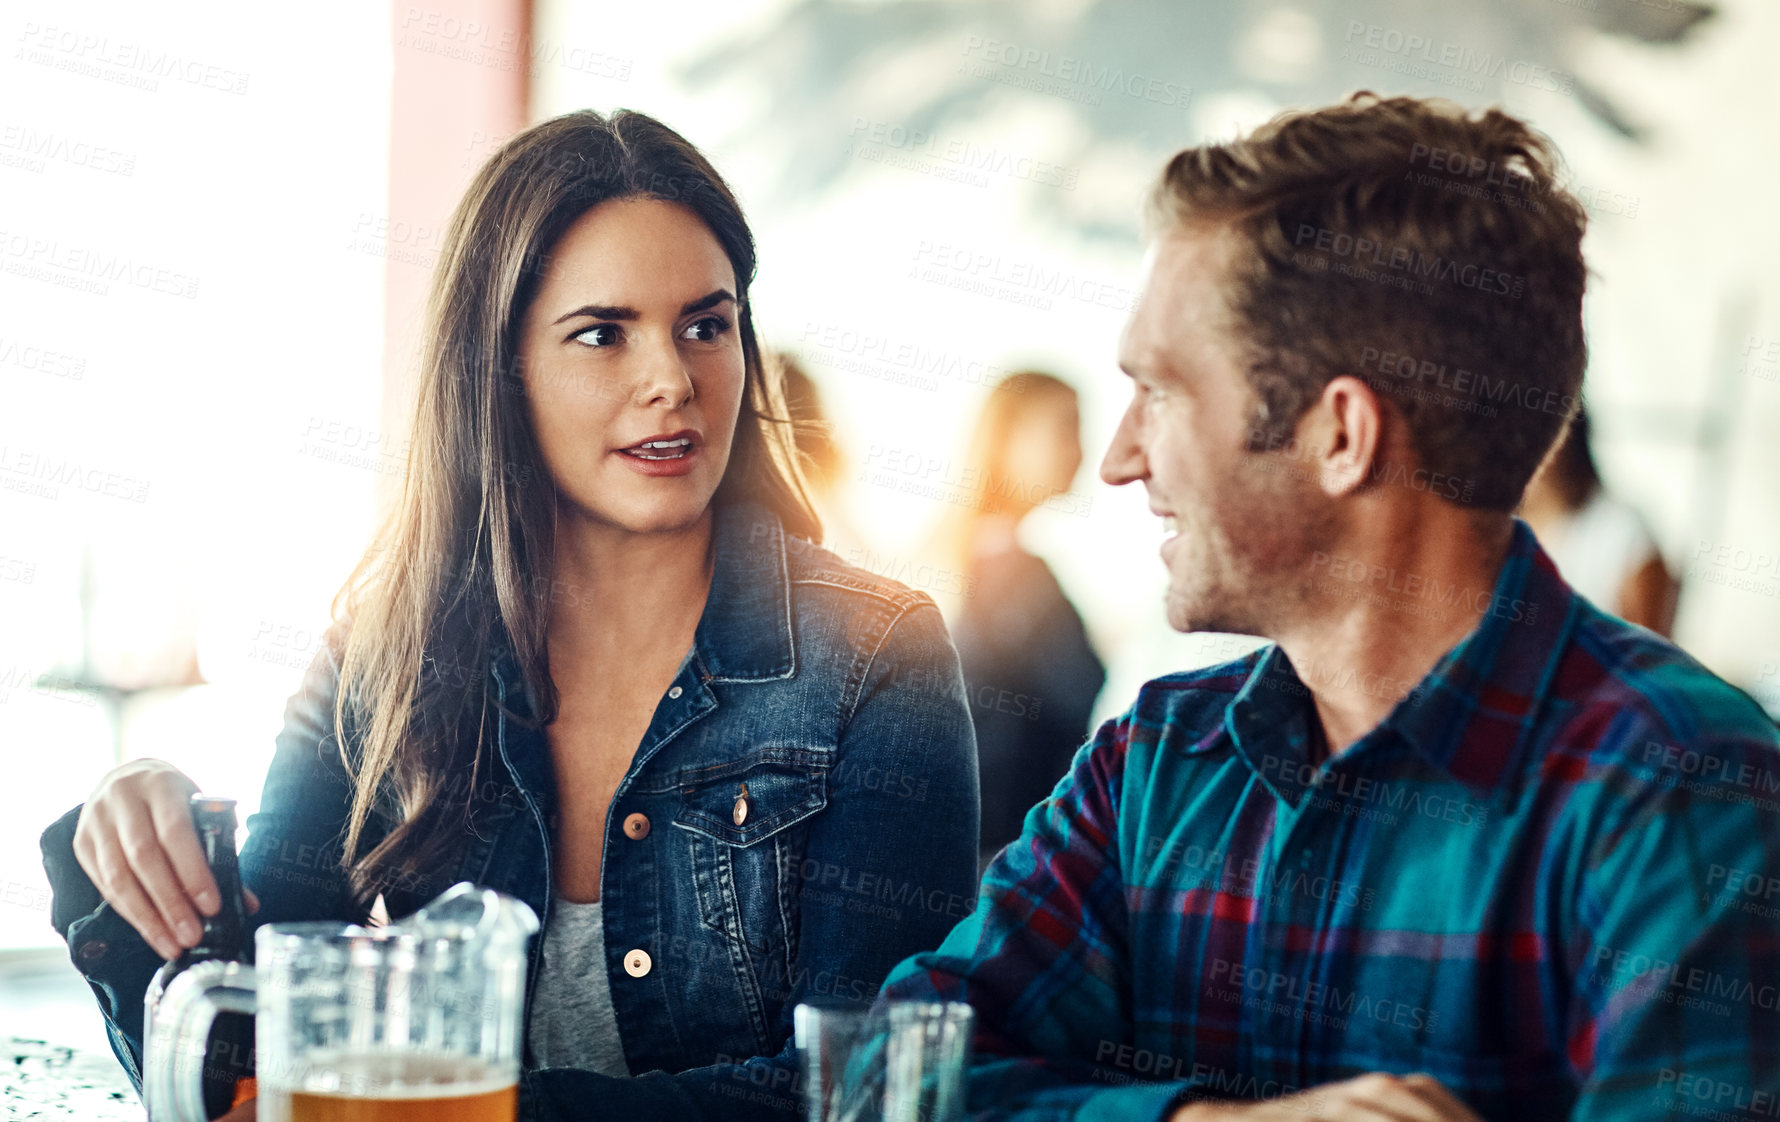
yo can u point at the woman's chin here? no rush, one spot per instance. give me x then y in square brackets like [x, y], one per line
[650, 514]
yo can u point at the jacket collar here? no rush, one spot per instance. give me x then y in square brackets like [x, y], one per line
[1475, 713]
[745, 633]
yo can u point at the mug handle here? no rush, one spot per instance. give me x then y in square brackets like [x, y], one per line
[173, 1063]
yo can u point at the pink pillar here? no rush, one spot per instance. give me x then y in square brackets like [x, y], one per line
[459, 86]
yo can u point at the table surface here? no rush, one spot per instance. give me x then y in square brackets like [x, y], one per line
[44, 1081]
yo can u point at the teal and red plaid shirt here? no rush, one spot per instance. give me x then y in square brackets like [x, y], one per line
[1550, 879]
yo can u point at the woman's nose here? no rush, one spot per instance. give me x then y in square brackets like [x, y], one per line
[665, 380]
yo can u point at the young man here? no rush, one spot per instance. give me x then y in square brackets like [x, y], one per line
[1457, 844]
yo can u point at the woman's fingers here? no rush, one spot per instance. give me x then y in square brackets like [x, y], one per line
[127, 898]
[136, 842]
[171, 810]
[154, 875]
[253, 902]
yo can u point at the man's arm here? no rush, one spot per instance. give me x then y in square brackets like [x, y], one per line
[1677, 953]
[1044, 960]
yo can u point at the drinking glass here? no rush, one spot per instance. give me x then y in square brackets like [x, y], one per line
[898, 1061]
[924, 1059]
[415, 1022]
[829, 1039]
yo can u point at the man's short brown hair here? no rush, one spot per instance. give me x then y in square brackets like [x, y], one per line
[1430, 252]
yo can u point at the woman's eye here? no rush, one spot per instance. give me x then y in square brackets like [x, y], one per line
[600, 335]
[706, 330]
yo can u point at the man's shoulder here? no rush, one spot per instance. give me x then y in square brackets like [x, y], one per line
[1633, 702]
[1174, 718]
[1189, 705]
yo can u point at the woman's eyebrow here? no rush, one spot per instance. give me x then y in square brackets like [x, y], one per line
[711, 300]
[619, 312]
[597, 311]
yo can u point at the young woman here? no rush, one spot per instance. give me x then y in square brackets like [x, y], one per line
[1028, 665]
[1600, 544]
[593, 661]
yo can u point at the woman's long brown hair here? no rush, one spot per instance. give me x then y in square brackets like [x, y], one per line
[466, 554]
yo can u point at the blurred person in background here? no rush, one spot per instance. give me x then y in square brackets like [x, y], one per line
[1600, 544]
[595, 661]
[1455, 844]
[823, 459]
[1029, 670]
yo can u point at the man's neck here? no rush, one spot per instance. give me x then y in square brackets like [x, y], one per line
[1383, 609]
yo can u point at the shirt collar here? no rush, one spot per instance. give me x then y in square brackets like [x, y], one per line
[1474, 713]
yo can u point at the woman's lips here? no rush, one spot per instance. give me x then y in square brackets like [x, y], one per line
[671, 449]
[677, 459]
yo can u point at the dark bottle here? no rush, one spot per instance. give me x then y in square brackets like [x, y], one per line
[228, 1054]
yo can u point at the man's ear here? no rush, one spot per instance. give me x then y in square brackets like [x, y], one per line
[1349, 426]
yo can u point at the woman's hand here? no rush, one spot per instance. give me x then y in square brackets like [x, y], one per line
[136, 842]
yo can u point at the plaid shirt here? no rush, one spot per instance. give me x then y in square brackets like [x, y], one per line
[1550, 879]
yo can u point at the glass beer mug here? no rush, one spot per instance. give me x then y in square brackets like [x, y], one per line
[418, 1020]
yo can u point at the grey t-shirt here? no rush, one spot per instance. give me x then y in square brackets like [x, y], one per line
[572, 1023]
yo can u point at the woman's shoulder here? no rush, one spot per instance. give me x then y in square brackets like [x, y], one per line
[811, 566]
[781, 600]
[322, 676]
[754, 538]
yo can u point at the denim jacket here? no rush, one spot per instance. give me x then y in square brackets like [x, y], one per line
[832, 693]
